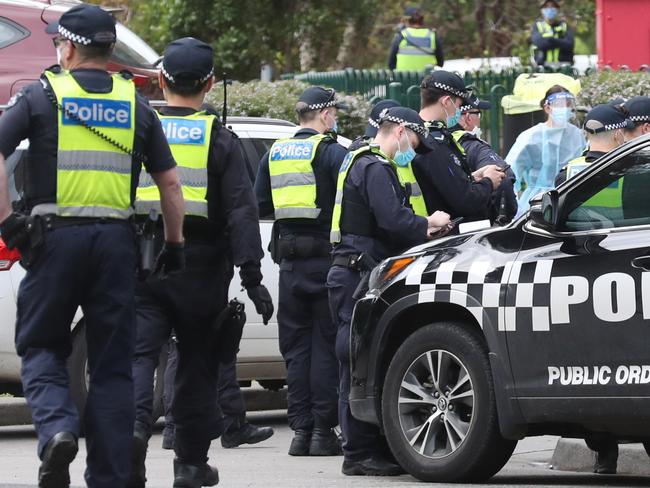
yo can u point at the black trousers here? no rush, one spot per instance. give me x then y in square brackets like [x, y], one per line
[307, 337]
[92, 266]
[188, 303]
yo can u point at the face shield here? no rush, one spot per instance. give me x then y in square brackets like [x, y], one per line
[562, 106]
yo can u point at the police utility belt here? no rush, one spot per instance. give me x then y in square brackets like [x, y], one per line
[302, 246]
[358, 262]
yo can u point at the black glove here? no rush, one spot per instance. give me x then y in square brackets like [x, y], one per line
[261, 297]
[14, 231]
[171, 260]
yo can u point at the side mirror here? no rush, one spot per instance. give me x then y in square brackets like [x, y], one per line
[545, 214]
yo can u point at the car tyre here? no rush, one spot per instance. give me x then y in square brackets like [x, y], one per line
[439, 408]
[77, 371]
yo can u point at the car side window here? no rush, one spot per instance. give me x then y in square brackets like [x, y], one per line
[254, 149]
[10, 32]
[618, 196]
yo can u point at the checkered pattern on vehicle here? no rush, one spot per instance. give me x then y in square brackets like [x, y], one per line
[515, 295]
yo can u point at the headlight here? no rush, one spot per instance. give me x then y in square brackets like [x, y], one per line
[388, 269]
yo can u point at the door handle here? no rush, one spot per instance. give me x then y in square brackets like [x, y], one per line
[642, 262]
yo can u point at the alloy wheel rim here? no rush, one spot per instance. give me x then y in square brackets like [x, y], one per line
[436, 404]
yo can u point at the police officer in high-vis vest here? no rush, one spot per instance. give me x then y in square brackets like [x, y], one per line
[89, 134]
[415, 46]
[407, 178]
[552, 39]
[296, 181]
[479, 154]
[372, 220]
[221, 224]
[638, 111]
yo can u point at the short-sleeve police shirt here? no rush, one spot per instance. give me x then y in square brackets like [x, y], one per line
[32, 116]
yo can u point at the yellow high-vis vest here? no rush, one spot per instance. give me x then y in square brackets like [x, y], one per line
[189, 140]
[293, 182]
[405, 173]
[610, 197]
[547, 30]
[93, 177]
[416, 49]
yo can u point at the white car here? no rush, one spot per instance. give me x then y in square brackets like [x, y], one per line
[259, 358]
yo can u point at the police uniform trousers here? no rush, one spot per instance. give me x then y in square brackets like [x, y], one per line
[188, 303]
[307, 337]
[92, 266]
[361, 440]
[149, 343]
[230, 398]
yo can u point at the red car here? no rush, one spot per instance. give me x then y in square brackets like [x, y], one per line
[26, 49]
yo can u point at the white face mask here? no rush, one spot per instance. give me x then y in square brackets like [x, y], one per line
[476, 131]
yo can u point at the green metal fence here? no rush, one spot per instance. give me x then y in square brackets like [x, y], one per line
[404, 86]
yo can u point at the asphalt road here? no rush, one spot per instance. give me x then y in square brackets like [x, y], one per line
[267, 465]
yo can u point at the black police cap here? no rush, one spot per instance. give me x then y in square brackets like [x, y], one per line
[447, 82]
[603, 118]
[85, 24]
[407, 117]
[373, 119]
[187, 60]
[318, 98]
[638, 109]
[412, 11]
[473, 103]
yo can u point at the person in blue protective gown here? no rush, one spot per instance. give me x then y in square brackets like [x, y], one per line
[541, 151]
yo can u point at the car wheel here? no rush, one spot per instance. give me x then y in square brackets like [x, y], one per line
[79, 377]
[272, 385]
[439, 409]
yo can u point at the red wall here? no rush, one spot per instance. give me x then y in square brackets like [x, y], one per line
[623, 33]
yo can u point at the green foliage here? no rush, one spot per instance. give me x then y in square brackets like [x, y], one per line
[604, 86]
[278, 100]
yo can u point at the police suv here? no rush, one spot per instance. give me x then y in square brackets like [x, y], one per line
[466, 344]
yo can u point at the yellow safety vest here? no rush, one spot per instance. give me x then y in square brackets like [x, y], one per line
[189, 140]
[293, 182]
[458, 135]
[557, 31]
[93, 177]
[610, 197]
[348, 162]
[416, 49]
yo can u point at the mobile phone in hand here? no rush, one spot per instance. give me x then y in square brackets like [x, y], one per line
[504, 168]
[456, 221]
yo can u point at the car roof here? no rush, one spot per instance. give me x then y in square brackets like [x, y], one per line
[62, 5]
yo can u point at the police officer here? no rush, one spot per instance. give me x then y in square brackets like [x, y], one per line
[89, 133]
[415, 46]
[446, 179]
[296, 180]
[372, 220]
[220, 222]
[373, 123]
[480, 154]
[551, 37]
[605, 126]
[638, 111]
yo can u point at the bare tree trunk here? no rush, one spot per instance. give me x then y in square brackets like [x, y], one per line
[346, 54]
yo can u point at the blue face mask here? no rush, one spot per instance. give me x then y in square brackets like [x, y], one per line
[561, 115]
[453, 119]
[549, 13]
[335, 127]
[403, 158]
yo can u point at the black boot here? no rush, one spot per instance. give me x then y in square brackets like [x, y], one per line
[246, 434]
[191, 476]
[138, 456]
[607, 459]
[59, 452]
[324, 442]
[300, 443]
[373, 466]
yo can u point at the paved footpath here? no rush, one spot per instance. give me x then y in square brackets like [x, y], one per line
[267, 465]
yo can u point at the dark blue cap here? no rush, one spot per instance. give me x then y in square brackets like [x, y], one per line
[603, 118]
[318, 98]
[373, 118]
[638, 109]
[407, 117]
[412, 11]
[87, 25]
[473, 103]
[447, 82]
[187, 60]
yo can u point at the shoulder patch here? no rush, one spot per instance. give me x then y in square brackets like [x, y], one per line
[13, 100]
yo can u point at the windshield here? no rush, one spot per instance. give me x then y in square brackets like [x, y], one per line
[132, 51]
